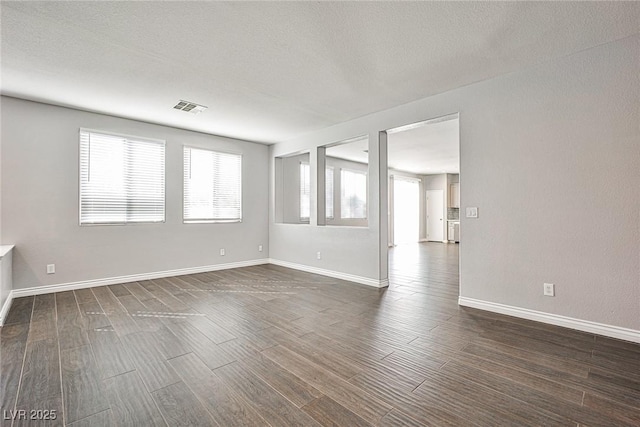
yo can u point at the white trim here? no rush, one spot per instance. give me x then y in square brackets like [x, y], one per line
[331, 273]
[348, 141]
[5, 249]
[554, 319]
[538, 316]
[37, 290]
[416, 125]
[5, 307]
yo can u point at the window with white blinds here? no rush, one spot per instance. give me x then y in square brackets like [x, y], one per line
[305, 191]
[212, 186]
[328, 188]
[121, 179]
[353, 186]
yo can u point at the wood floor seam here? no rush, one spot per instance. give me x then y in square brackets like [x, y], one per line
[63, 414]
[24, 356]
[89, 416]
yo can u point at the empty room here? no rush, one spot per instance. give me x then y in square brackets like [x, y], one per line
[319, 213]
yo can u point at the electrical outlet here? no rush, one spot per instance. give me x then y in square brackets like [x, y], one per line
[549, 290]
[259, 248]
[471, 212]
[51, 268]
[319, 255]
[222, 252]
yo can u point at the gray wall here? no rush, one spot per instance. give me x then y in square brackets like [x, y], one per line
[40, 202]
[436, 182]
[351, 250]
[552, 159]
[288, 189]
[551, 156]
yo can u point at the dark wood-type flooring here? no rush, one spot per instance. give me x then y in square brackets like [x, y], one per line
[272, 346]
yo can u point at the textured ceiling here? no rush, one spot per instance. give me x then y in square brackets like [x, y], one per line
[270, 71]
[429, 148]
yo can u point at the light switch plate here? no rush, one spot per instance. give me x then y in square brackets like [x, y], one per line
[472, 212]
[549, 290]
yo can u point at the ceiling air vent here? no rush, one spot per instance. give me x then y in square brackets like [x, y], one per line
[190, 107]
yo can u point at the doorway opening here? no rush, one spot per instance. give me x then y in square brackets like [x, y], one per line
[424, 159]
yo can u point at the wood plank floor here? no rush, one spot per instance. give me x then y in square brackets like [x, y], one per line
[272, 346]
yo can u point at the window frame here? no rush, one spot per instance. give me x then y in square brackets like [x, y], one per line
[212, 221]
[332, 193]
[128, 137]
[304, 219]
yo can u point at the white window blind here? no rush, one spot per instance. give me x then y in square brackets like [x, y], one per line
[353, 186]
[121, 179]
[328, 188]
[305, 191]
[212, 186]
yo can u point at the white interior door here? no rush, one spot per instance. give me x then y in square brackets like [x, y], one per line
[435, 215]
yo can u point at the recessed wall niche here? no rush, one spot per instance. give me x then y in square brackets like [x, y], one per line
[346, 182]
[293, 189]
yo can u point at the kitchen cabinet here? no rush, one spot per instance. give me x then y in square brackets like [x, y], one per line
[453, 234]
[454, 195]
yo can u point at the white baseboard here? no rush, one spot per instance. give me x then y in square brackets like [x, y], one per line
[331, 273]
[5, 308]
[554, 319]
[38, 290]
[539, 316]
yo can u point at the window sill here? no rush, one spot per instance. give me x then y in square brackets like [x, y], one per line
[212, 221]
[95, 224]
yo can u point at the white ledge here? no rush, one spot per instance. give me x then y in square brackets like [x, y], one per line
[5, 249]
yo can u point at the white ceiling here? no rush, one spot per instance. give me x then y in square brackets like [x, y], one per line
[356, 150]
[432, 147]
[429, 149]
[270, 71]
